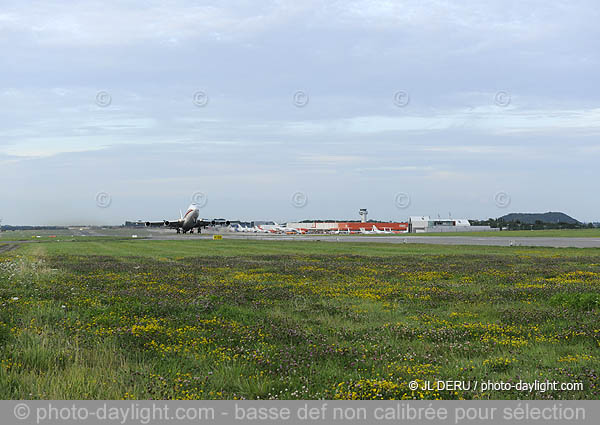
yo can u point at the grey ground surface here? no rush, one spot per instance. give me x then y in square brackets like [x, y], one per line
[165, 234]
[441, 240]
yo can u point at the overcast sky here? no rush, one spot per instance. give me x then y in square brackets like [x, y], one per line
[115, 110]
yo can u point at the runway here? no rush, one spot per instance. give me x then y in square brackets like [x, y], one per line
[553, 242]
[168, 235]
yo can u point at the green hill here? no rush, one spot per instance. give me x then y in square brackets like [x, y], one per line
[532, 218]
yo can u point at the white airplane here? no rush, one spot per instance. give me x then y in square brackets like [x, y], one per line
[376, 230]
[291, 230]
[243, 229]
[236, 227]
[276, 228]
[188, 222]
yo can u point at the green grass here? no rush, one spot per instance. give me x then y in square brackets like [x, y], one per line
[125, 233]
[76, 234]
[178, 249]
[551, 233]
[109, 319]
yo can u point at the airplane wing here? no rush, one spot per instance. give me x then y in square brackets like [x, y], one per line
[165, 223]
[216, 222]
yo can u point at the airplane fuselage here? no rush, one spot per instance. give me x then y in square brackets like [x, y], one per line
[189, 219]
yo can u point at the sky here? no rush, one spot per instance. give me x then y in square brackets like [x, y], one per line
[289, 110]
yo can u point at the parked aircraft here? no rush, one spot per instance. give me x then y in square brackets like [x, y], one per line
[376, 230]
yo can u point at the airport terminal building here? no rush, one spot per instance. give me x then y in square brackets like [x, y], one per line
[350, 227]
[425, 224]
[415, 224]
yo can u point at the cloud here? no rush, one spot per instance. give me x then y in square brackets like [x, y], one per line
[489, 119]
[96, 23]
[151, 142]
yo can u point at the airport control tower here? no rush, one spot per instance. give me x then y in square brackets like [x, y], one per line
[363, 213]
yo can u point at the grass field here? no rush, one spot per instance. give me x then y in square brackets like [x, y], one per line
[125, 233]
[550, 233]
[106, 319]
[68, 234]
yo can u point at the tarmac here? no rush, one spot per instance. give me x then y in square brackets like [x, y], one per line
[555, 242]
[164, 234]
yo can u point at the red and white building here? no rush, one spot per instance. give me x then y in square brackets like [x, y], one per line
[350, 227]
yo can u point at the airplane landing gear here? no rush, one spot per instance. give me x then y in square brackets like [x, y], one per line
[191, 231]
[178, 231]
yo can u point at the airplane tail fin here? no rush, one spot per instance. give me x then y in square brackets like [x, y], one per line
[180, 214]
